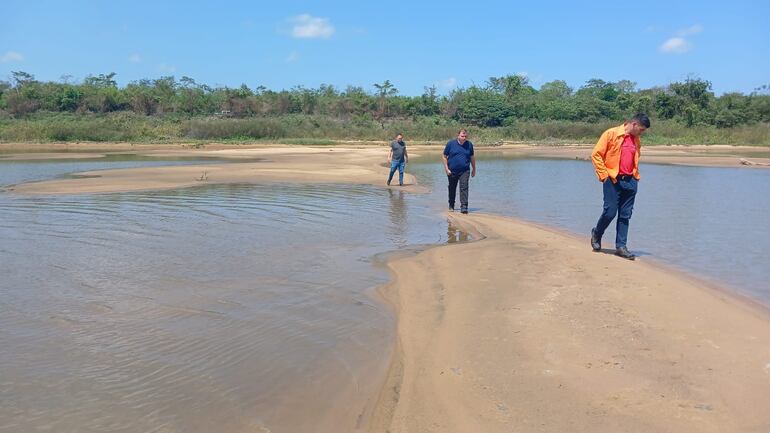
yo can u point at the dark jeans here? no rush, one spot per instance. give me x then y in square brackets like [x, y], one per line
[618, 200]
[462, 178]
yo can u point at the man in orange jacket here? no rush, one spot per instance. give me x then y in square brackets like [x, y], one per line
[616, 160]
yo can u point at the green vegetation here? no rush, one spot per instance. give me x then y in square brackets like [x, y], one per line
[505, 108]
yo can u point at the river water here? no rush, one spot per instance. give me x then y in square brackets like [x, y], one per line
[249, 307]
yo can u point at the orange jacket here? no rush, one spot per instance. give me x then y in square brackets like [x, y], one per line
[606, 154]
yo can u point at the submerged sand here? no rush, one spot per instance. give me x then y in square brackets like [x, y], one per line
[525, 329]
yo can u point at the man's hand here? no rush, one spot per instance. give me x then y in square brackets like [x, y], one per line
[448, 171]
[473, 172]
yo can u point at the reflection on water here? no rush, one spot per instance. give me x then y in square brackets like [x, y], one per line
[455, 234]
[398, 217]
[215, 308]
[711, 222]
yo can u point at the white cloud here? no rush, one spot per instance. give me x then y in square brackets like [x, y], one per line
[676, 46]
[307, 26]
[11, 56]
[135, 58]
[292, 57]
[449, 83]
[692, 30]
[166, 68]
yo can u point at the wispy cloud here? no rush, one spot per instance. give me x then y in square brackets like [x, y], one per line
[166, 68]
[306, 26]
[692, 30]
[11, 56]
[449, 83]
[675, 46]
[292, 57]
[135, 58]
[680, 43]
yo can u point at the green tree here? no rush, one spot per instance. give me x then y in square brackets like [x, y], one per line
[483, 108]
[69, 99]
[385, 90]
[510, 85]
[599, 89]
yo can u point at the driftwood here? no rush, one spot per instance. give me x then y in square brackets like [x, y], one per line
[747, 162]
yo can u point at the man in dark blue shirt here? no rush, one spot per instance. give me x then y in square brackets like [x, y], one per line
[459, 165]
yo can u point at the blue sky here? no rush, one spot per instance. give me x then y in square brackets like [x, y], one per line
[281, 44]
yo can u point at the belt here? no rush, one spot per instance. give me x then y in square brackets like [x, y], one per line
[625, 176]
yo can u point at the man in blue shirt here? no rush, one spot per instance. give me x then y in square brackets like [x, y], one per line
[459, 165]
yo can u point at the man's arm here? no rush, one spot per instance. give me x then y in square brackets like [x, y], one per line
[597, 156]
[406, 157]
[473, 165]
[446, 165]
[390, 154]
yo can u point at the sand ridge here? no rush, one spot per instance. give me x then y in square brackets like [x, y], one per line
[528, 330]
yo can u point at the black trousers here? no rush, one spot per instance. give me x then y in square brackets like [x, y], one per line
[462, 179]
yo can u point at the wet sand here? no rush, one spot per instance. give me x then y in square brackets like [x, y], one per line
[281, 164]
[704, 156]
[361, 164]
[527, 329]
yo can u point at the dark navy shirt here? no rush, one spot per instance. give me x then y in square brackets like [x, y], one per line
[458, 155]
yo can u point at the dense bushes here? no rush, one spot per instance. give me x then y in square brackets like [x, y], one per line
[169, 109]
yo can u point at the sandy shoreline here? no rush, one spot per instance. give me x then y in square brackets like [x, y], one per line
[526, 329]
[362, 164]
[529, 330]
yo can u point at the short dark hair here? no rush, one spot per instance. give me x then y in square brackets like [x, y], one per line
[397, 134]
[641, 119]
[462, 130]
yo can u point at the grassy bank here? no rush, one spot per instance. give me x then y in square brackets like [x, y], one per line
[322, 130]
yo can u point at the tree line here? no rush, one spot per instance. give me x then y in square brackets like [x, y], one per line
[500, 101]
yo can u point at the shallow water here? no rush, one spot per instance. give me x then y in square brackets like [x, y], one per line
[18, 171]
[215, 308]
[248, 308]
[709, 222]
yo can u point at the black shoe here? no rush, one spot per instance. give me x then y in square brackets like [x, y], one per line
[623, 252]
[388, 183]
[400, 184]
[464, 210]
[451, 208]
[596, 241]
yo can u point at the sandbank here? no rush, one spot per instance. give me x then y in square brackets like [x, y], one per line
[328, 164]
[280, 164]
[697, 155]
[528, 330]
